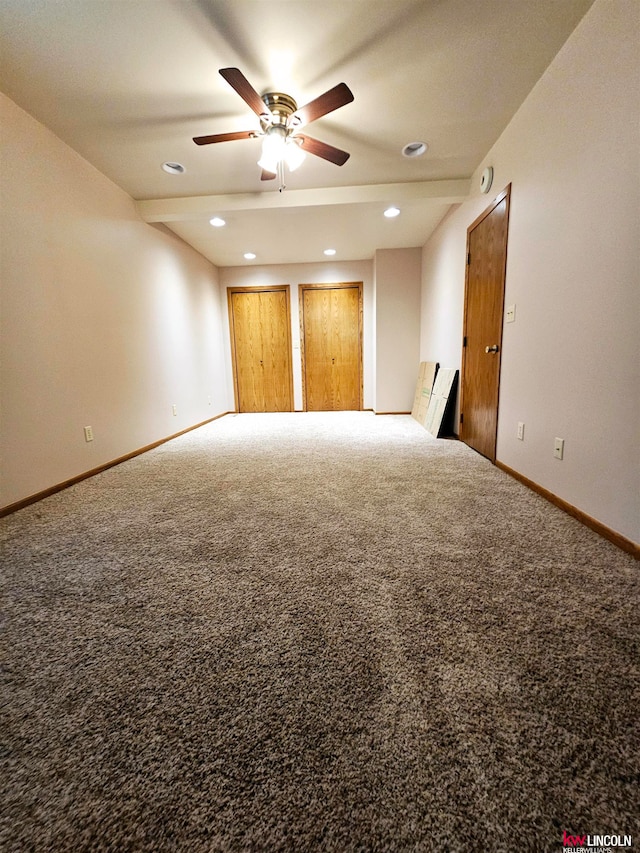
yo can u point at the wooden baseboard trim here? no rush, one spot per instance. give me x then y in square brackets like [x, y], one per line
[59, 487]
[618, 539]
[393, 413]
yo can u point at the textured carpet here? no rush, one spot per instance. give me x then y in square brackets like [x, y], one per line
[314, 632]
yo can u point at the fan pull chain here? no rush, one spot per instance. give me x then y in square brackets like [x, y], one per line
[282, 185]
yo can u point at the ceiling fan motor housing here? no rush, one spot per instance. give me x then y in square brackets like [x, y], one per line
[281, 107]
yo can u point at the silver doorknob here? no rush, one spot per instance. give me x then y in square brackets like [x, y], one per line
[494, 348]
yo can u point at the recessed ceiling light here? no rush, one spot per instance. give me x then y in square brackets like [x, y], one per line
[414, 149]
[390, 212]
[217, 222]
[173, 168]
[249, 256]
[329, 251]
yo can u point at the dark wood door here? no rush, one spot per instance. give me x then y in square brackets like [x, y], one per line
[331, 336]
[483, 312]
[260, 328]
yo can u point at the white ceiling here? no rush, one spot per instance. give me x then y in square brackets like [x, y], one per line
[128, 83]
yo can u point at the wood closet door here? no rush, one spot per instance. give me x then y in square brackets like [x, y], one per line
[331, 335]
[483, 317]
[261, 347]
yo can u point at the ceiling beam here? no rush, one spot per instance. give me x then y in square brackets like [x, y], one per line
[201, 207]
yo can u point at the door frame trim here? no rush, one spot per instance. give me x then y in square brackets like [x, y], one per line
[232, 333]
[505, 194]
[338, 285]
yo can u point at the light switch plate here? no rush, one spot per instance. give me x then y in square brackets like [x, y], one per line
[510, 314]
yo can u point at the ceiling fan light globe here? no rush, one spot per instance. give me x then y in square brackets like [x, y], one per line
[268, 163]
[275, 140]
[294, 155]
[273, 149]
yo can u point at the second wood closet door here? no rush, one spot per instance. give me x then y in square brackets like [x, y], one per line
[331, 334]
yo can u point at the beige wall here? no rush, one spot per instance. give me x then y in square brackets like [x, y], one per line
[397, 324]
[570, 361]
[106, 321]
[293, 275]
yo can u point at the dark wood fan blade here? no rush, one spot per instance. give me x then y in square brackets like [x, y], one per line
[267, 176]
[323, 149]
[236, 79]
[225, 137]
[327, 103]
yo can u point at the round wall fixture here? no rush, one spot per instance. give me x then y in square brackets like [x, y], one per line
[486, 180]
[414, 149]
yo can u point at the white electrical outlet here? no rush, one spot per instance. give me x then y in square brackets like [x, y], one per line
[88, 433]
[520, 431]
[174, 409]
[558, 447]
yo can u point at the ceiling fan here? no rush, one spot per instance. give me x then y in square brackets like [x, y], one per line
[280, 122]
